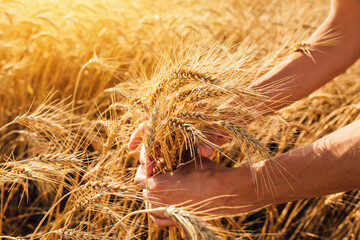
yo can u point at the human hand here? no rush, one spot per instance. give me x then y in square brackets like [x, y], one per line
[215, 134]
[199, 183]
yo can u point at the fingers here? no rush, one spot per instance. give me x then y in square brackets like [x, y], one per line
[216, 135]
[146, 162]
[143, 156]
[162, 222]
[206, 150]
[142, 174]
[140, 177]
[144, 171]
[136, 136]
[158, 216]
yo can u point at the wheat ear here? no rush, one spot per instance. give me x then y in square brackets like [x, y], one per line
[108, 187]
[242, 135]
[74, 234]
[193, 227]
[196, 76]
[180, 78]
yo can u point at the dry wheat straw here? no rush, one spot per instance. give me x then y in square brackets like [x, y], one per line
[150, 139]
[195, 76]
[108, 187]
[74, 234]
[42, 49]
[329, 38]
[195, 95]
[306, 48]
[179, 79]
[242, 135]
[86, 201]
[195, 228]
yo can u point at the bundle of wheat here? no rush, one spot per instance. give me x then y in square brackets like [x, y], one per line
[78, 77]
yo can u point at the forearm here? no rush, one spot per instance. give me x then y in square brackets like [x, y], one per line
[300, 74]
[330, 165]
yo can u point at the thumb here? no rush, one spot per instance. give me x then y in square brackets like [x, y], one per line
[136, 136]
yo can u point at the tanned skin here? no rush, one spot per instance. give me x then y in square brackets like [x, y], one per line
[329, 165]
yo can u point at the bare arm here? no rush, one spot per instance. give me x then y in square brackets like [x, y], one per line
[330, 61]
[303, 74]
[331, 164]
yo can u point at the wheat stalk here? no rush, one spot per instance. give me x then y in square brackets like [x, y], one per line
[74, 234]
[242, 135]
[195, 228]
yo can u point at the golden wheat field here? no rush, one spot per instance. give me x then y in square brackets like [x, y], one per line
[78, 77]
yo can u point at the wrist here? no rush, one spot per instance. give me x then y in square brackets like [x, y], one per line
[240, 183]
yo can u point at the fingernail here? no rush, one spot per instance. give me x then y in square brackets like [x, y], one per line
[205, 150]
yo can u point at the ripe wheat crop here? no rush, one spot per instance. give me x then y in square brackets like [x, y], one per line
[78, 77]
